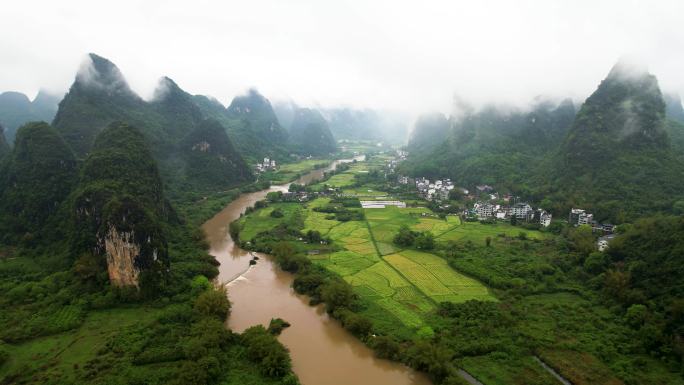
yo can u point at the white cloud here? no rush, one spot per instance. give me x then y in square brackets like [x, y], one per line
[395, 54]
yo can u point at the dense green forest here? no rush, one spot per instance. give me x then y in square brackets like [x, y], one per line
[618, 156]
[211, 158]
[4, 146]
[35, 178]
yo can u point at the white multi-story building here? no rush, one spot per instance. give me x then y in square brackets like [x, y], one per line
[522, 211]
[580, 217]
[484, 210]
[544, 217]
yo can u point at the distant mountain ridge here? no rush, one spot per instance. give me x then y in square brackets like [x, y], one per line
[617, 158]
[626, 111]
[17, 109]
[613, 157]
[367, 124]
[256, 109]
[494, 145]
[310, 133]
[430, 131]
[251, 124]
[100, 96]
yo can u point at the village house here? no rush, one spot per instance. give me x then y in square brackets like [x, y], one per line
[484, 210]
[522, 211]
[266, 165]
[542, 217]
[603, 242]
[502, 213]
[580, 217]
[484, 188]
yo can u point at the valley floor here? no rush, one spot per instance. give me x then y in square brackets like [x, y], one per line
[545, 313]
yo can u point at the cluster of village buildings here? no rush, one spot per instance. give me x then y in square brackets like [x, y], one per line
[431, 190]
[520, 211]
[392, 164]
[439, 190]
[266, 165]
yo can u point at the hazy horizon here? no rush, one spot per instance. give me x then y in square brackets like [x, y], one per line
[384, 55]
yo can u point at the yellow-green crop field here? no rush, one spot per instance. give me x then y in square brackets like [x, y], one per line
[406, 284]
[478, 232]
[385, 223]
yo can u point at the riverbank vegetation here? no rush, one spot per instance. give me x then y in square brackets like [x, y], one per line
[492, 299]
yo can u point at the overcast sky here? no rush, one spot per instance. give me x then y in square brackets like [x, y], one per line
[409, 55]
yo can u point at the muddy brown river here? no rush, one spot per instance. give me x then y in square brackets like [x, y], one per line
[322, 352]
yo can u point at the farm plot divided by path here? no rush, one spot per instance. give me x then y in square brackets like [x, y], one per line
[478, 232]
[435, 279]
[406, 284]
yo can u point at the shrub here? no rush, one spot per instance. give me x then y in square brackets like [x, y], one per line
[277, 325]
[213, 303]
[264, 349]
[337, 294]
[277, 213]
[386, 347]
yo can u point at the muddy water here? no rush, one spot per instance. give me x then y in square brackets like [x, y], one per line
[323, 353]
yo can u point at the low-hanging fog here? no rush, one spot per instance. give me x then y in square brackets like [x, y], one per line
[401, 55]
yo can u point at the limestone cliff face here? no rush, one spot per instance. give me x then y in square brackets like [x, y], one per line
[122, 253]
[130, 240]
